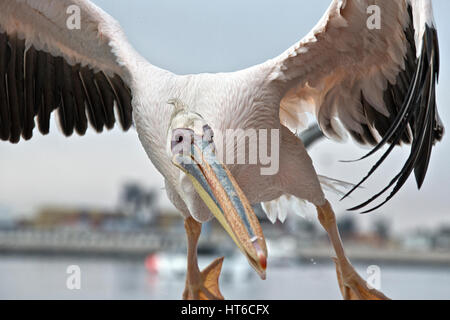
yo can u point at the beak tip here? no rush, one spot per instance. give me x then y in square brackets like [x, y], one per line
[261, 256]
[263, 261]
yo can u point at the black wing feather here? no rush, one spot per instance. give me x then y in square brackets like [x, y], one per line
[34, 83]
[13, 98]
[123, 95]
[5, 119]
[95, 113]
[30, 73]
[48, 95]
[414, 117]
[79, 98]
[107, 96]
[66, 111]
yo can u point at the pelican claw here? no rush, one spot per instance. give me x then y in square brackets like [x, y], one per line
[207, 287]
[352, 286]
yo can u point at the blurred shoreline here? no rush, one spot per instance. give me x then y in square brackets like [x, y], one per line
[139, 227]
[139, 245]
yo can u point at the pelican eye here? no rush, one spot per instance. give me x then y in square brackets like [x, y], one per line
[181, 140]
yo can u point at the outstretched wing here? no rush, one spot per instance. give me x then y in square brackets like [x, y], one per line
[64, 55]
[372, 66]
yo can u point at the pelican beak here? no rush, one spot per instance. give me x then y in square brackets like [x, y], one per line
[223, 196]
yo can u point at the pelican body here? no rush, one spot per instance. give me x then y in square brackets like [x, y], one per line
[378, 84]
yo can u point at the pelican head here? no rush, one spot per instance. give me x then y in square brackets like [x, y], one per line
[191, 147]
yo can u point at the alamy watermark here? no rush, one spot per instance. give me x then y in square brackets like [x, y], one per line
[374, 20]
[73, 281]
[231, 146]
[374, 277]
[73, 21]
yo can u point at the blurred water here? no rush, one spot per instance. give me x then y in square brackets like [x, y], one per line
[45, 278]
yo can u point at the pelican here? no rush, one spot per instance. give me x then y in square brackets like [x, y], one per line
[368, 68]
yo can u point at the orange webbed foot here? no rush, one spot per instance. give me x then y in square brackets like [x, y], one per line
[205, 286]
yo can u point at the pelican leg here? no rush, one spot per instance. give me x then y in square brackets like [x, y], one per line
[352, 286]
[200, 285]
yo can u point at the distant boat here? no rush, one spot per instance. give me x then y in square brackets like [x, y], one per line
[171, 265]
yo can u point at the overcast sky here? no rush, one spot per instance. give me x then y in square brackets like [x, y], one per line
[211, 36]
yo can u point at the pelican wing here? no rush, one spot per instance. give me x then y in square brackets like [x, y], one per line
[371, 67]
[64, 55]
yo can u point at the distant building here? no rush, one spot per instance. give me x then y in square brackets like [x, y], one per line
[347, 227]
[7, 220]
[419, 240]
[58, 217]
[139, 203]
[442, 238]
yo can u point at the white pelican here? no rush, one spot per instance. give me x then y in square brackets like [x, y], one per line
[372, 78]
